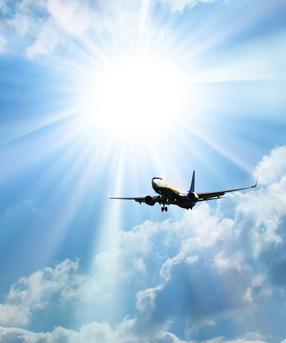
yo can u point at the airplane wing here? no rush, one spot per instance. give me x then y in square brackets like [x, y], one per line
[149, 200]
[219, 194]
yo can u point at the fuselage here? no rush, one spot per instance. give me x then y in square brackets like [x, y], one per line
[171, 194]
[163, 188]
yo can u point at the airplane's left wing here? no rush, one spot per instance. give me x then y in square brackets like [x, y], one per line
[218, 194]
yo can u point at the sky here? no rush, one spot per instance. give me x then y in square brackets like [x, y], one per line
[96, 98]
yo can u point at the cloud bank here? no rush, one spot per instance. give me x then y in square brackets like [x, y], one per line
[214, 274]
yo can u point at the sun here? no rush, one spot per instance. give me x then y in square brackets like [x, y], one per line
[134, 97]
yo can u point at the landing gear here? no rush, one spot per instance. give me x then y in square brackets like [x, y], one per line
[164, 208]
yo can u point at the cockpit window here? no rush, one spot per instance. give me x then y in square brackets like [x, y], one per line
[157, 178]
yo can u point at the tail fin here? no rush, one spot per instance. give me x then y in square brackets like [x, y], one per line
[192, 188]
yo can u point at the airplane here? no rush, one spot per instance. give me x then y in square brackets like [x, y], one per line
[169, 195]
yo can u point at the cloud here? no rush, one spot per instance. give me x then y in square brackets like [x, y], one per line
[272, 168]
[2, 44]
[46, 41]
[90, 333]
[72, 17]
[65, 20]
[200, 293]
[251, 337]
[11, 315]
[39, 28]
[46, 28]
[236, 267]
[213, 268]
[103, 333]
[3, 6]
[59, 29]
[32, 294]
[93, 332]
[34, 289]
[180, 5]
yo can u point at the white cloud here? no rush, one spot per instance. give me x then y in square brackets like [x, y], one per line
[21, 23]
[71, 16]
[49, 28]
[38, 28]
[33, 293]
[233, 250]
[2, 44]
[11, 315]
[258, 290]
[225, 261]
[250, 337]
[46, 41]
[180, 5]
[206, 246]
[90, 333]
[272, 168]
[35, 289]
[211, 264]
[103, 333]
[93, 333]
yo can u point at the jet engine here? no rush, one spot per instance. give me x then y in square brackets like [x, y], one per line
[150, 200]
[193, 196]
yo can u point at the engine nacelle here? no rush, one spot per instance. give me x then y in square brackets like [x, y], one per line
[149, 200]
[193, 196]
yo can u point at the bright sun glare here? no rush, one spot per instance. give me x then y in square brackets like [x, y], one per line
[134, 97]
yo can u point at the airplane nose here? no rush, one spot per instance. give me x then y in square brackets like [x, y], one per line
[154, 184]
[156, 180]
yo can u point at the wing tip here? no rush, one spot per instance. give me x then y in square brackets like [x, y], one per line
[256, 182]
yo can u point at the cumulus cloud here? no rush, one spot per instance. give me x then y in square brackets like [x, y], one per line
[236, 267]
[34, 289]
[104, 333]
[93, 332]
[31, 294]
[214, 266]
[11, 315]
[211, 263]
[272, 168]
[90, 333]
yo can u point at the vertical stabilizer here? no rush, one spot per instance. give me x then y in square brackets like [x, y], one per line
[192, 188]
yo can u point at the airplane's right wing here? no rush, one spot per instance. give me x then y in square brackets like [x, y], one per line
[149, 200]
[218, 194]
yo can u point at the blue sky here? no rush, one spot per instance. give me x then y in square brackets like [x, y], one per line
[96, 98]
